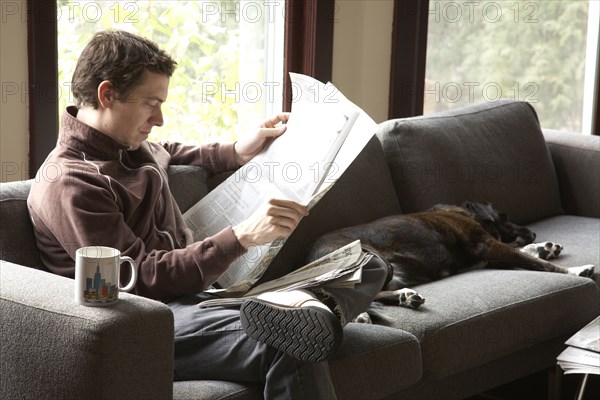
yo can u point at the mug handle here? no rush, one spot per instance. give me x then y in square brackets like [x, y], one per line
[134, 273]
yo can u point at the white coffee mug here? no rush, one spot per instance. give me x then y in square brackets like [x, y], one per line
[97, 271]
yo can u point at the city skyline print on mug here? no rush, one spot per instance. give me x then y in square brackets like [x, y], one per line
[98, 289]
[97, 270]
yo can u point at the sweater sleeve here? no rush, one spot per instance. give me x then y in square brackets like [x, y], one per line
[167, 274]
[85, 211]
[213, 157]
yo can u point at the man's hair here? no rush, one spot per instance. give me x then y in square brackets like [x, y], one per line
[121, 58]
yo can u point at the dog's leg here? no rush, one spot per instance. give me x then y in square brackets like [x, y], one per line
[401, 297]
[587, 271]
[363, 318]
[545, 251]
[501, 256]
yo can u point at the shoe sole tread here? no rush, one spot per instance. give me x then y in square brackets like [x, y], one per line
[306, 333]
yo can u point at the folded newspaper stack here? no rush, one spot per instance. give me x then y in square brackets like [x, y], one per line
[583, 354]
[341, 268]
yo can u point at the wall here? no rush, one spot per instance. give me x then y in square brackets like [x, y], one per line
[14, 117]
[362, 42]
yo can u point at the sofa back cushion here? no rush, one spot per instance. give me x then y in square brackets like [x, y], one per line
[485, 152]
[17, 241]
[362, 194]
[188, 184]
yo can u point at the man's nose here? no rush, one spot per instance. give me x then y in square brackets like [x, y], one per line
[157, 117]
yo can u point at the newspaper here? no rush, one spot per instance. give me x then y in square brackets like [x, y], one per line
[341, 268]
[324, 134]
[578, 361]
[583, 354]
[588, 338]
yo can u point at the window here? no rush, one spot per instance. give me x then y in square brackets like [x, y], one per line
[543, 52]
[229, 54]
[308, 40]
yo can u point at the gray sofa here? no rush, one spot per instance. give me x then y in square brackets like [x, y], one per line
[476, 330]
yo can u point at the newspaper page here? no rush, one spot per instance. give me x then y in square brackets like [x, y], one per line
[588, 337]
[583, 354]
[324, 134]
[578, 361]
[341, 268]
[343, 262]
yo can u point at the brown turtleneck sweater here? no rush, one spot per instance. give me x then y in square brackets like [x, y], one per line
[92, 191]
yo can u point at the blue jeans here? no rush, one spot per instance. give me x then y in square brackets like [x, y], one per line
[210, 344]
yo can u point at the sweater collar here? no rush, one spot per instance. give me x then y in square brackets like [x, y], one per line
[80, 136]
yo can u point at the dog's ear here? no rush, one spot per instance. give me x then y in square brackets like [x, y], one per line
[482, 211]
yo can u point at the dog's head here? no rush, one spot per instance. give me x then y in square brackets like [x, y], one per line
[496, 223]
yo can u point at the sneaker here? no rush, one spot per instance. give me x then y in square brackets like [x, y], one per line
[294, 322]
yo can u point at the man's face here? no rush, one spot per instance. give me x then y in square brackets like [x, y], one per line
[131, 120]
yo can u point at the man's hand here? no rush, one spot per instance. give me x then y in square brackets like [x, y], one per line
[276, 219]
[246, 148]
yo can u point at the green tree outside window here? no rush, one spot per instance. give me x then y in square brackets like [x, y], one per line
[206, 39]
[518, 49]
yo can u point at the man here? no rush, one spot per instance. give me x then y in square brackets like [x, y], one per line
[113, 191]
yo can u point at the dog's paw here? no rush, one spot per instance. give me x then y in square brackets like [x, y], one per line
[545, 251]
[409, 298]
[587, 271]
[363, 318]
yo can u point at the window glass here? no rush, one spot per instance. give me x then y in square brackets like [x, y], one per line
[533, 51]
[229, 54]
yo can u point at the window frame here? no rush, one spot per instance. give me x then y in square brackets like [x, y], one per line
[407, 71]
[42, 44]
[308, 50]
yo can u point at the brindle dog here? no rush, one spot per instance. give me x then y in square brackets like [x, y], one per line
[443, 241]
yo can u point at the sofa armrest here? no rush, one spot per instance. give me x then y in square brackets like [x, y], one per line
[577, 161]
[51, 347]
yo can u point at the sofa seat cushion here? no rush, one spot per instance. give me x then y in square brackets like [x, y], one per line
[476, 317]
[492, 152]
[215, 390]
[374, 362]
[580, 237]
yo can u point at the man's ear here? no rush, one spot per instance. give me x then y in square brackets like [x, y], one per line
[106, 94]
